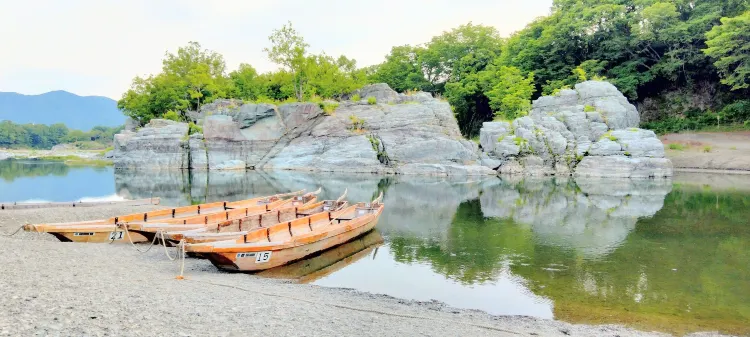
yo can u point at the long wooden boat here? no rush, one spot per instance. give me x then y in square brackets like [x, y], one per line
[107, 230]
[234, 220]
[329, 261]
[73, 204]
[283, 243]
[231, 230]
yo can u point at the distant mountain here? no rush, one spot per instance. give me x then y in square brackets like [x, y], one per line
[76, 112]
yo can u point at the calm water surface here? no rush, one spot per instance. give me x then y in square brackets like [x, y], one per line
[669, 255]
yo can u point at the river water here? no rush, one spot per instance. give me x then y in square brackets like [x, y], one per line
[667, 255]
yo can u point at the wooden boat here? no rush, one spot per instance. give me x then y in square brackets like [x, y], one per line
[317, 266]
[231, 231]
[107, 230]
[29, 205]
[272, 212]
[283, 243]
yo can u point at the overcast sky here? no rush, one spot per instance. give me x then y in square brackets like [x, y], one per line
[96, 47]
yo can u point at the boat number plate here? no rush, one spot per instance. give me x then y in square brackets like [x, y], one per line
[116, 235]
[260, 257]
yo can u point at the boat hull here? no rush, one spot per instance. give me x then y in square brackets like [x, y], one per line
[250, 262]
[83, 236]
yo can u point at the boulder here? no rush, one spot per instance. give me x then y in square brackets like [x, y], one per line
[381, 91]
[161, 144]
[131, 124]
[418, 138]
[595, 119]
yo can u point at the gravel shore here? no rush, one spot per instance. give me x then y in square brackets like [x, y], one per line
[65, 289]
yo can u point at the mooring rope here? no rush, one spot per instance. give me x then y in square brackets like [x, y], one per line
[14, 233]
[160, 233]
[127, 233]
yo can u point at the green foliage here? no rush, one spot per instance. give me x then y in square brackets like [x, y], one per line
[172, 116]
[194, 128]
[707, 148]
[589, 108]
[188, 79]
[677, 147]
[509, 91]
[193, 77]
[40, 136]
[358, 124]
[371, 100]
[356, 98]
[728, 46]
[328, 107]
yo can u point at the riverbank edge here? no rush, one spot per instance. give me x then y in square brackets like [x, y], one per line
[150, 274]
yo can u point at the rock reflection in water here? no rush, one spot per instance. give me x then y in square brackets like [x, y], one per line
[592, 216]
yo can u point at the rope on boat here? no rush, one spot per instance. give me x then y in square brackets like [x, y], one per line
[164, 243]
[180, 254]
[14, 233]
[127, 233]
[181, 247]
[385, 313]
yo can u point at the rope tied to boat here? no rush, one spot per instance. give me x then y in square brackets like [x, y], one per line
[127, 233]
[181, 248]
[14, 232]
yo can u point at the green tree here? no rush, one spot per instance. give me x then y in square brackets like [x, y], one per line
[510, 91]
[189, 79]
[402, 70]
[246, 84]
[289, 50]
[729, 45]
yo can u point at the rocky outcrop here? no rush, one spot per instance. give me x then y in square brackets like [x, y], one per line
[400, 134]
[590, 131]
[161, 144]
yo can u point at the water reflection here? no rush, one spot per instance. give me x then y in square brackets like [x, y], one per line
[38, 180]
[654, 254]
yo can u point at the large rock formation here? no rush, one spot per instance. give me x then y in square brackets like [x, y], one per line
[161, 144]
[590, 131]
[403, 134]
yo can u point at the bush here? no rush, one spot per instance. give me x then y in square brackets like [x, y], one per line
[172, 116]
[677, 147]
[356, 98]
[358, 124]
[328, 107]
[707, 149]
[736, 112]
[193, 128]
[371, 100]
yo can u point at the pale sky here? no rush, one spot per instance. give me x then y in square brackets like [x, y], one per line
[96, 47]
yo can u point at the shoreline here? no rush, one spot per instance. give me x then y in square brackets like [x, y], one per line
[93, 289]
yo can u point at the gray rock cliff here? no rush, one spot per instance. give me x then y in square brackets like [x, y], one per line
[400, 134]
[591, 131]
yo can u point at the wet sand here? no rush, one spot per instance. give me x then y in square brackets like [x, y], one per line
[62, 289]
[723, 152]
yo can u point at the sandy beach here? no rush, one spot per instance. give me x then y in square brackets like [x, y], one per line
[63, 289]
